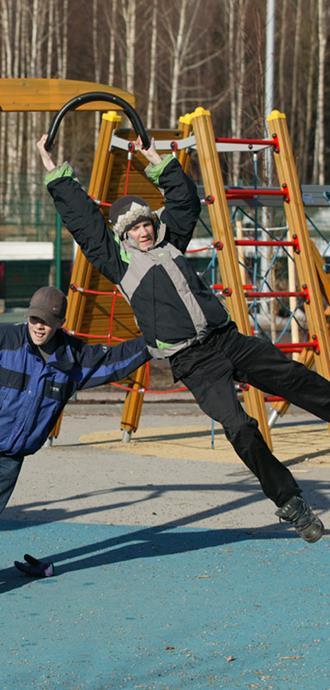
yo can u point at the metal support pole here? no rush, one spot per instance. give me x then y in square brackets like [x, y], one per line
[58, 251]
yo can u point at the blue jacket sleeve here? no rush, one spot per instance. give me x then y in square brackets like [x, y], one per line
[101, 364]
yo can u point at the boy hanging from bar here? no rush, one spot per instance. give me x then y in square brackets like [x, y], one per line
[143, 252]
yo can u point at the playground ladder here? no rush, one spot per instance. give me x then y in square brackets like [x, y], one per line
[314, 283]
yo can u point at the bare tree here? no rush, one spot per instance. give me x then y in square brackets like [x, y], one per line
[318, 165]
[62, 26]
[190, 53]
[236, 59]
[296, 68]
[153, 66]
[282, 50]
[129, 15]
[112, 42]
[307, 131]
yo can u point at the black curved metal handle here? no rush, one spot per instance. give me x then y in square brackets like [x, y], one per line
[98, 96]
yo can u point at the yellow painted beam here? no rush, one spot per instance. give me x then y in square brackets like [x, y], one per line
[296, 220]
[227, 257]
[51, 94]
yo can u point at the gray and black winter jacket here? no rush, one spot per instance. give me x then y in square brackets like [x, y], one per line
[172, 305]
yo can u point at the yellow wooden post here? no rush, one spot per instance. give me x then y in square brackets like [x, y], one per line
[82, 269]
[134, 400]
[185, 130]
[132, 408]
[227, 257]
[296, 220]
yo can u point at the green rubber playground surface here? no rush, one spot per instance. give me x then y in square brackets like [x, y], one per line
[154, 609]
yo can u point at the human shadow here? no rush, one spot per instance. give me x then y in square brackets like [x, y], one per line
[181, 435]
[143, 543]
[246, 486]
[171, 537]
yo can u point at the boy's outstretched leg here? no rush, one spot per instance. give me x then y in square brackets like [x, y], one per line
[216, 396]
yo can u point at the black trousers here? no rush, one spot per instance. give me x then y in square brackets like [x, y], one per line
[10, 468]
[209, 370]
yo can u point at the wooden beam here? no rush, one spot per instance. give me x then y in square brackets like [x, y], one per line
[227, 257]
[296, 220]
[51, 94]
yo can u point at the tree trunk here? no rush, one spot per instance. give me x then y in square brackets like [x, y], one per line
[305, 139]
[176, 64]
[97, 69]
[129, 14]
[112, 45]
[295, 73]
[318, 167]
[283, 43]
[153, 65]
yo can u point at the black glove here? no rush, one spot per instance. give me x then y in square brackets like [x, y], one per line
[35, 568]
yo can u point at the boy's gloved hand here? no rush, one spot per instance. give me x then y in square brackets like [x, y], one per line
[35, 568]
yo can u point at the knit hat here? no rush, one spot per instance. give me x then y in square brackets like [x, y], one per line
[127, 212]
[48, 304]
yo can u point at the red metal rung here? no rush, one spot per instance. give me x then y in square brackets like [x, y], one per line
[267, 243]
[262, 142]
[312, 344]
[276, 294]
[232, 193]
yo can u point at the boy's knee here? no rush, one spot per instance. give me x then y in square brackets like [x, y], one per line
[242, 435]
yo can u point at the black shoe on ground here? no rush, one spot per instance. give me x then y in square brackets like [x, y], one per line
[33, 567]
[301, 516]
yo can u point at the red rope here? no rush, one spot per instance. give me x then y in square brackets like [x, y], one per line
[112, 313]
[114, 292]
[127, 173]
[128, 168]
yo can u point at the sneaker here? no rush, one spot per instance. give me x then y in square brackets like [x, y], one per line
[301, 516]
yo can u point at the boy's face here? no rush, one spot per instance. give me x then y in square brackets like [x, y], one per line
[40, 332]
[143, 234]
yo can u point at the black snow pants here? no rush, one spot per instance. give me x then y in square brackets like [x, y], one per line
[209, 369]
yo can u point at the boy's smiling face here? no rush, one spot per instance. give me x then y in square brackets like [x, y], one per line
[40, 332]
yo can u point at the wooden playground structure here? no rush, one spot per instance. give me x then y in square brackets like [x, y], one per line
[96, 309]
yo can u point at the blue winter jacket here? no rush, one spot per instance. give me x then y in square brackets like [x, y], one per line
[33, 392]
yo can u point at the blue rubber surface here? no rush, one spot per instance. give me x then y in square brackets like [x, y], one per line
[182, 609]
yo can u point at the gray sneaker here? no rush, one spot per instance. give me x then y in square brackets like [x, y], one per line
[301, 516]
